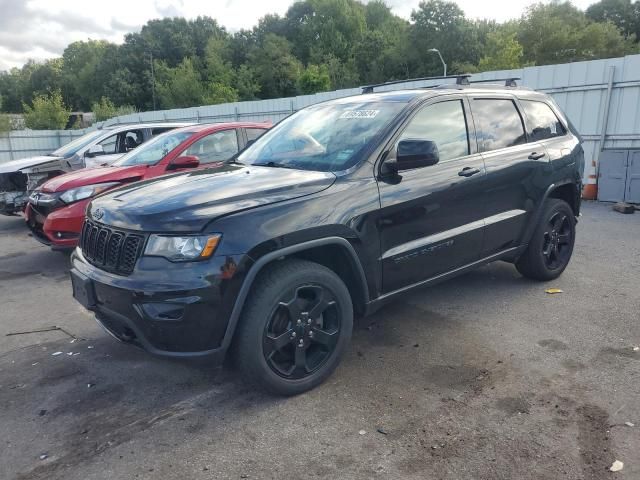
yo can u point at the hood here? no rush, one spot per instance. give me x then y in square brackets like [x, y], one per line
[16, 165]
[89, 176]
[188, 202]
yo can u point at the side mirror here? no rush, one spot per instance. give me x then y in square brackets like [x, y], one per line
[94, 151]
[186, 161]
[249, 143]
[416, 154]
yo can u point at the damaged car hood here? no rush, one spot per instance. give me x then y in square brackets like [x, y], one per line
[188, 202]
[17, 165]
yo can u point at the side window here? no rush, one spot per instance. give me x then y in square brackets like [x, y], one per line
[131, 140]
[110, 144]
[542, 122]
[254, 133]
[500, 124]
[217, 147]
[444, 124]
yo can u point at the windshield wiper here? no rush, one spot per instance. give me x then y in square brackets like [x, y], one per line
[273, 164]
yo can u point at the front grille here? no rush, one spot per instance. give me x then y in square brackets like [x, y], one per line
[112, 250]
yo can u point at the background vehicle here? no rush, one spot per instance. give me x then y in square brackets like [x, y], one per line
[333, 212]
[99, 147]
[56, 210]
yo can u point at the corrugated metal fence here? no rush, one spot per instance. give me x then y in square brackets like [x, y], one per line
[601, 97]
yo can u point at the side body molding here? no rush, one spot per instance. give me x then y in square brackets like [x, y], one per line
[269, 257]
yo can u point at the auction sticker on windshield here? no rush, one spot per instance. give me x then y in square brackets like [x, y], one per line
[360, 114]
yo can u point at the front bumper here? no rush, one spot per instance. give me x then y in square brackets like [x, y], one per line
[168, 309]
[60, 229]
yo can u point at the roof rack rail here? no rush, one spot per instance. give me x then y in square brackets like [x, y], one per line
[462, 79]
[508, 82]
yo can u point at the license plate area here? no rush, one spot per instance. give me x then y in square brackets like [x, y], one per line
[83, 290]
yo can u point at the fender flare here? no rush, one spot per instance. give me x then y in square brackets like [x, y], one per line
[274, 255]
[538, 212]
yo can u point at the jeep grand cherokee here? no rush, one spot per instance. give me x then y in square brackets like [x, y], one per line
[336, 210]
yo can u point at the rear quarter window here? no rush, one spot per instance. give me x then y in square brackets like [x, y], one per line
[542, 122]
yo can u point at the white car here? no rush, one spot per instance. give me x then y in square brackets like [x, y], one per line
[99, 147]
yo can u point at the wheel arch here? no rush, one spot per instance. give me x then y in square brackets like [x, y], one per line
[335, 253]
[567, 191]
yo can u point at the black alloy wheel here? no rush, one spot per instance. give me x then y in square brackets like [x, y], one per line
[295, 327]
[302, 332]
[558, 241]
[551, 245]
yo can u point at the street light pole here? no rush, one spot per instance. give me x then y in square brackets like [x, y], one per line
[444, 65]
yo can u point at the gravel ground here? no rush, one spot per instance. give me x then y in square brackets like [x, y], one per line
[484, 377]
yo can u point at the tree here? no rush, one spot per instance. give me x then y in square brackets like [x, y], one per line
[559, 32]
[317, 28]
[46, 113]
[106, 109]
[277, 70]
[314, 79]
[5, 121]
[622, 13]
[442, 25]
[502, 52]
[182, 86]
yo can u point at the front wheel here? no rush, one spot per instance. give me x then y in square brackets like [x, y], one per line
[295, 327]
[551, 245]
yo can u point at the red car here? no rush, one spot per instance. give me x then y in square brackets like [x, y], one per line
[55, 211]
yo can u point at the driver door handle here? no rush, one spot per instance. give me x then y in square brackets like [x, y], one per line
[468, 171]
[536, 155]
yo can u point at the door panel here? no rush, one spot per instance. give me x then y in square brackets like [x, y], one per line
[515, 183]
[517, 172]
[430, 222]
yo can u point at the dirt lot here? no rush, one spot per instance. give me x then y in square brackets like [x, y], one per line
[483, 377]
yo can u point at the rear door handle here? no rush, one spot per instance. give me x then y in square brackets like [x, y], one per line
[536, 155]
[468, 171]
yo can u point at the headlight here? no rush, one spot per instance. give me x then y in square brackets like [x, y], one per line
[80, 193]
[182, 248]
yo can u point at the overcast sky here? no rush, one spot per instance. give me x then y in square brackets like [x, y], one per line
[39, 29]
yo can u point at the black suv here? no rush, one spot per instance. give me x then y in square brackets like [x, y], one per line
[336, 210]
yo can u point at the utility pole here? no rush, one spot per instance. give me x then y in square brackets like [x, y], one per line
[153, 82]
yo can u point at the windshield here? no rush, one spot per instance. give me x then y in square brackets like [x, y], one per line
[72, 147]
[154, 150]
[325, 138]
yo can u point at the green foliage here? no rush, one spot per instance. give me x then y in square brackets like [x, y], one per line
[276, 69]
[504, 52]
[106, 109]
[47, 112]
[316, 45]
[182, 86]
[622, 13]
[5, 121]
[314, 79]
[559, 32]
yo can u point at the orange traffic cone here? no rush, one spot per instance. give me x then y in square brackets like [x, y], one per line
[590, 190]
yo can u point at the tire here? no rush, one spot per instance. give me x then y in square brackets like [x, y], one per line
[551, 245]
[296, 309]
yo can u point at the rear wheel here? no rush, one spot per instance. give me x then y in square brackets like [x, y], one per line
[551, 245]
[295, 328]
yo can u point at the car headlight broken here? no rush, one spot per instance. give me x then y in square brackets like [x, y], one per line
[182, 248]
